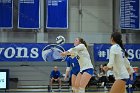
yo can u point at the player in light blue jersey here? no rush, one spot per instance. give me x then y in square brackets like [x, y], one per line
[75, 69]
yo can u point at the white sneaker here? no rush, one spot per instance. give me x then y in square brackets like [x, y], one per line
[105, 88]
[102, 84]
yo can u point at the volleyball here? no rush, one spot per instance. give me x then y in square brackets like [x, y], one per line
[60, 39]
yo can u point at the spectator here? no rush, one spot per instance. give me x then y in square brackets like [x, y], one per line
[102, 77]
[110, 76]
[55, 76]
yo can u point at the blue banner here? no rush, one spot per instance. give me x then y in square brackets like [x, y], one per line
[6, 13]
[29, 14]
[129, 14]
[101, 52]
[57, 14]
[33, 52]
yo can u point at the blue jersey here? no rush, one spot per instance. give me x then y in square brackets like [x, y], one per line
[55, 74]
[131, 81]
[73, 62]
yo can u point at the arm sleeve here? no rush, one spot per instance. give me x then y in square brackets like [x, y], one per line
[131, 70]
[111, 58]
[77, 48]
[126, 62]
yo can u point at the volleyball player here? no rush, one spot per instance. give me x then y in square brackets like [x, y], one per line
[86, 67]
[75, 69]
[119, 63]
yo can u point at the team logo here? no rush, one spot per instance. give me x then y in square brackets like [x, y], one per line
[53, 52]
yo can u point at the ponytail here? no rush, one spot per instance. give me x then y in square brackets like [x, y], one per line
[117, 37]
[122, 46]
[83, 41]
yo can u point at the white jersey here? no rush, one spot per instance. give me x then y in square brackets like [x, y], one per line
[83, 56]
[119, 62]
[131, 71]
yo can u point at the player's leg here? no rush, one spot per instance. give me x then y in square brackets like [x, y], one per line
[84, 81]
[118, 87]
[86, 76]
[77, 82]
[73, 79]
[123, 89]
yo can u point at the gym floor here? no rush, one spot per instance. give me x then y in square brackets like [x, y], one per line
[44, 91]
[62, 92]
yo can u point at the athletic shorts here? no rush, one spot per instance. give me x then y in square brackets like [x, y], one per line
[89, 71]
[125, 80]
[130, 82]
[75, 72]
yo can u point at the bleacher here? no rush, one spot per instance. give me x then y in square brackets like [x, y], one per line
[65, 86]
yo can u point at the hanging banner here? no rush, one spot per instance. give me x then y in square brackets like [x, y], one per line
[57, 14]
[129, 14]
[32, 52]
[6, 13]
[29, 14]
[101, 52]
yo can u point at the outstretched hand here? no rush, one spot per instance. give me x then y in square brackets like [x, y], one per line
[63, 54]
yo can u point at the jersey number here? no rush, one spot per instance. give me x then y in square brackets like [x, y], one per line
[73, 64]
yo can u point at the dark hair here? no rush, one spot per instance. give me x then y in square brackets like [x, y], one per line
[101, 69]
[117, 37]
[83, 41]
[104, 65]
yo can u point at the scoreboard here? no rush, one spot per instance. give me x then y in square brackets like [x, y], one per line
[4, 79]
[129, 14]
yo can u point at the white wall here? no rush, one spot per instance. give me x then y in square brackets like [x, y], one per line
[96, 20]
[96, 16]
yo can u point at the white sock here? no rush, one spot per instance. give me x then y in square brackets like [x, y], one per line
[81, 90]
[102, 83]
[73, 89]
[76, 90]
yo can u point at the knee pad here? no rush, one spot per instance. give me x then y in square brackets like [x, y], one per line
[73, 88]
[76, 90]
[81, 90]
[130, 85]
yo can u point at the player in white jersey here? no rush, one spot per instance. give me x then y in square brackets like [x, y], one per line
[86, 67]
[119, 63]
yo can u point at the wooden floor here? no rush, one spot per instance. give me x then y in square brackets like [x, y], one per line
[61, 92]
[34, 91]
